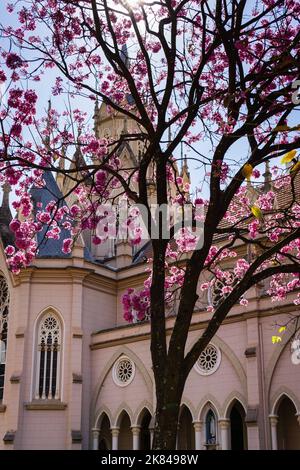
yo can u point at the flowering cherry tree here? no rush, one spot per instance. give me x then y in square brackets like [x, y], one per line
[214, 77]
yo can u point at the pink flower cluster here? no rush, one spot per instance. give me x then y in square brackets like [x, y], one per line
[136, 304]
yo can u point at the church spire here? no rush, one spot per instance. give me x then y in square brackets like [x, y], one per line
[268, 177]
[185, 174]
[78, 157]
[5, 200]
[96, 117]
[124, 131]
[5, 216]
[47, 138]
[124, 56]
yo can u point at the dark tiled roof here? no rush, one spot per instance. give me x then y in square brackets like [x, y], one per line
[48, 247]
[144, 253]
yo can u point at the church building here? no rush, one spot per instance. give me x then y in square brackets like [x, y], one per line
[75, 375]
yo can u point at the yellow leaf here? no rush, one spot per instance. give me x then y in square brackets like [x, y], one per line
[281, 329]
[295, 168]
[256, 212]
[288, 157]
[281, 128]
[247, 171]
[285, 128]
[276, 339]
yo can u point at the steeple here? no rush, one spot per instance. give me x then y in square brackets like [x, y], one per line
[124, 55]
[252, 192]
[96, 118]
[185, 174]
[47, 138]
[5, 216]
[268, 178]
[125, 126]
[5, 199]
[78, 160]
[61, 165]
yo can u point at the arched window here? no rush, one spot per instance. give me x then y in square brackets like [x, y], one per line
[238, 430]
[4, 301]
[288, 431]
[186, 432]
[211, 429]
[48, 357]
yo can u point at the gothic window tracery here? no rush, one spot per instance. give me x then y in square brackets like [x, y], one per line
[123, 371]
[49, 358]
[209, 360]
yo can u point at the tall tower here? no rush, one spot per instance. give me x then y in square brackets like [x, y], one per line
[6, 216]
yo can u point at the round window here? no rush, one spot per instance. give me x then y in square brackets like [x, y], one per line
[123, 371]
[209, 360]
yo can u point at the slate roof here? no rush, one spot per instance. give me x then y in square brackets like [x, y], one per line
[48, 247]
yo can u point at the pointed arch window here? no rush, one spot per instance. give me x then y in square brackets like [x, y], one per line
[48, 357]
[4, 303]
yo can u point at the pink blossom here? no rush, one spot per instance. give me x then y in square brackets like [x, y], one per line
[9, 250]
[16, 130]
[2, 76]
[67, 245]
[96, 240]
[13, 61]
[15, 225]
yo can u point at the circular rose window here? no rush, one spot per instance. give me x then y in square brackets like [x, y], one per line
[123, 371]
[50, 323]
[209, 360]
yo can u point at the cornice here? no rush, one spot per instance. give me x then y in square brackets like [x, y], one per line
[24, 276]
[90, 278]
[47, 275]
[134, 336]
[132, 281]
[100, 283]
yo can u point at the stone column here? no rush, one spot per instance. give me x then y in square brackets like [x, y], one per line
[115, 438]
[274, 421]
[19, 308]
[198, 425]
[136, 430]
[151, 430]
[95, 438]
[177, 437]
[255, 440]
[75, 353]
[224, 426]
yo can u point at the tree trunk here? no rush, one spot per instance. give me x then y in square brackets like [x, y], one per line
[166, 416]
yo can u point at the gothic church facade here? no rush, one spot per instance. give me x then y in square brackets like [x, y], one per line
[75, 375]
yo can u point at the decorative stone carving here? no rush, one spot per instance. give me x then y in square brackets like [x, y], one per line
[209, 360]
[123, 371]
